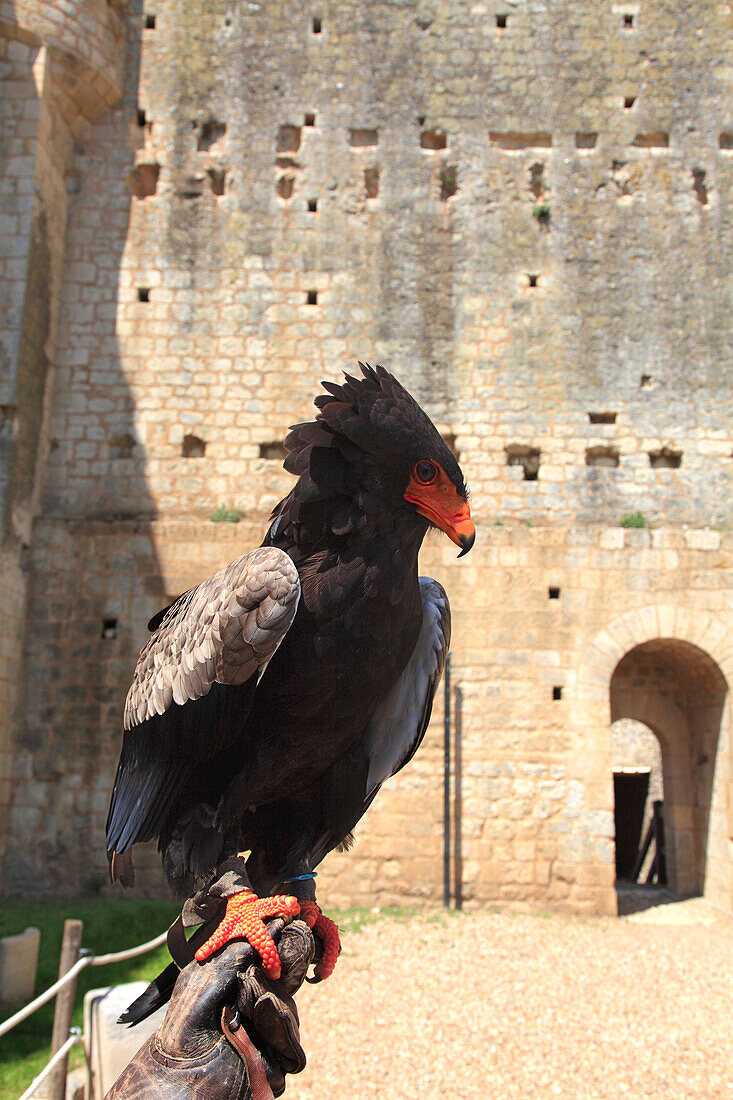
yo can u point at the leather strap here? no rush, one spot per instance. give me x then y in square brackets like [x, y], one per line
[206, 908]
[249, 1054]
[180, 950]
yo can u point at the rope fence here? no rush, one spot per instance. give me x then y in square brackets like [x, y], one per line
[75, 1036]
[66, 1037]
[43, 998]
[131, 953]
[87, 959]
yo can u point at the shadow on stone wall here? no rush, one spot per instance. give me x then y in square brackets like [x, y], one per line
[94, 574]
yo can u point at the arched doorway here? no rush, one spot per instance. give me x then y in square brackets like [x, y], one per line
[678, 691]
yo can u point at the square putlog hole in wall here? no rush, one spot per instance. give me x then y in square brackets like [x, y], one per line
[501, 21]
[316, 25]
[602, 418]
[602, 456]
[149, 22]
[120, 446]
[666, 459]
[211, 132]
[274, 451]
[533, 281]
[109, 629]
[285, 186]
[193, 447]
[371, 182]
[217, 180]
[312, 206]
[586, 139]
[655, 140]
[143, 180]
[699, 186]
[448, 182]
[513, 141]
[309, 119]
[433, 140]
[363, 139]
[536, 179]
[629, 102]
[627, 21]
[518, 454]
[288, 138]
[143, 294]
[311, 297]
[557, 694]
[553, 593]
[725, 141]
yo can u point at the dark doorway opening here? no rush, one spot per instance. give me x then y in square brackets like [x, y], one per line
[630, 790]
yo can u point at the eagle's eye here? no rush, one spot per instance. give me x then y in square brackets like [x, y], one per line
[425, 471]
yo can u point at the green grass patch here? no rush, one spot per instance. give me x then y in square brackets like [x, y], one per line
[354, 920]
[109, 925]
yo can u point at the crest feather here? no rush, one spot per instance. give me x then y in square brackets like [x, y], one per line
[363, 426]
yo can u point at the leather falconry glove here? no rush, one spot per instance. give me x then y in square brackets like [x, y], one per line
[230, 1033]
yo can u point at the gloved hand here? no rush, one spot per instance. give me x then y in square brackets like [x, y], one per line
[230, 1033]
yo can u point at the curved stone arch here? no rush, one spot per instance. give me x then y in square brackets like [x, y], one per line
[593, 712]
[645, 624]
[660, 716]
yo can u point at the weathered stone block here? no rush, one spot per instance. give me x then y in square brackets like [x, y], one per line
[18, 965]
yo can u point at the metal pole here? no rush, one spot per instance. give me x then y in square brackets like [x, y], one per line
[70, 946]
[446, 783]
[457, 798]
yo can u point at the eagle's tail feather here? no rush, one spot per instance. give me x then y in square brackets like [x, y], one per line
[121, 868]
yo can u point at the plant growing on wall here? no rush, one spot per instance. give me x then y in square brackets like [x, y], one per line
[225, 515]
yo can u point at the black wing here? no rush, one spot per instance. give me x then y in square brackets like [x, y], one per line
[395, 730]
[193, 686]
[398, 725]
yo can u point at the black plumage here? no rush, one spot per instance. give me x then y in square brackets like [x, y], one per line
[272, 701]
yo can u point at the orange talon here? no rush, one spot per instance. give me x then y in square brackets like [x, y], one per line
[244, 919]
[329, 933]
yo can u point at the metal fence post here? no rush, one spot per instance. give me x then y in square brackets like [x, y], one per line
[446, 782]
[70, 947]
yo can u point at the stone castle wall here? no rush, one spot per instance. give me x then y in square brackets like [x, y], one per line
[60, 70]
[525, 213]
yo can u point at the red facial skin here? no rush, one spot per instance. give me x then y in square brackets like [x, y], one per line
[439, 502]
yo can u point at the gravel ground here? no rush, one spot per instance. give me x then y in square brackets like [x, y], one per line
[498, 1006]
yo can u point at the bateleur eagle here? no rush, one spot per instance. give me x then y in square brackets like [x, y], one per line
[272, 701]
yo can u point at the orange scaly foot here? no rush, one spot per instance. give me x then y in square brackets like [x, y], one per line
[329, 933]
[244, 919]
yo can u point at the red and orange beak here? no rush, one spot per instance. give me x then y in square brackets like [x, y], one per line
[440, 503]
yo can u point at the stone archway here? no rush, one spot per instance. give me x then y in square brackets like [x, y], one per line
[670, 669]
[678, 691]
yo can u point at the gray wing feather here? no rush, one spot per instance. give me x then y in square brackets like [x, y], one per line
[223, 631]
[398, 725]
